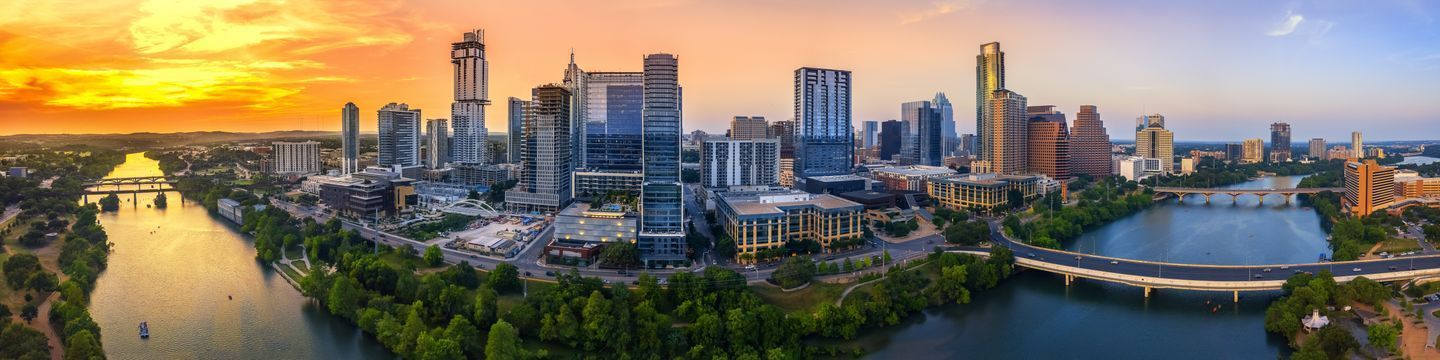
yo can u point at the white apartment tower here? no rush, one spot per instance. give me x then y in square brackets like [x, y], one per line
[472, 95]
[296, 157]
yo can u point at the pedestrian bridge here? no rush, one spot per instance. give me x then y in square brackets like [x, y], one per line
[140, 180]
[1180, 192]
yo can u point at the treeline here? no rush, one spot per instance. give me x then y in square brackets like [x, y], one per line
[1305, 293]
[1104, 202]
[84, 255]
[219, 156]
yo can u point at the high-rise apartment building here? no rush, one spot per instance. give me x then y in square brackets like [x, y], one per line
[472, 95]
[948, 139]
[1089, 144]
[823, 144]
[870, 134]
[545, 156]
[1369, 187]
[924, 144]
[516, 128]
[349, 138]
[785, 131]
[1253, 152]
[989, 78]
[1004, 143]
[1155, 142]
[892, 138]
[749, 128]
[1049, 142]
[1280, 142]
[725, 163]
[295, 157]
[399, 135]
[662, 215]
[1357, 145]
[1234, 152]
[437, 144]
[607, 128]
[1317, 149]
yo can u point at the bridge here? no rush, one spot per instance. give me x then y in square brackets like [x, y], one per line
[140, 180]
[1150, 275]
[1180, 192]
[471, 207]
[141, 184]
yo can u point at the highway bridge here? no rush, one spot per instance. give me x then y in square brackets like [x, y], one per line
[1231, 278]
[1180, 192]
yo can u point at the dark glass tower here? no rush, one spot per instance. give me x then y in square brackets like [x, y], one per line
[662, 231]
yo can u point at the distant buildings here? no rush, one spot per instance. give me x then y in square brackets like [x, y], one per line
[983, 192]
[909, 178]
[1136, 168]
[1369, 187]
[662, 214]
[1155, 142]
[545, 159]
[1254, 151]
[296, 157]
[726, 163]
[1187, 166]
[1004, 140]
[1279, 142]
[1357, 145]
[437, 144]
[949, 140]
[785, 131]
[1234, 152]
[399, 135]
[472, 95]
[349, 138]
[989, 78]
[1409, 184]
[749, 128]
[1089, 144]
[870, 134]
[892, 138]
[923, 144]
[822, 115]
[18, 172]
[516, 128]
[1049, 142]
[768, 219]
[1317, 149]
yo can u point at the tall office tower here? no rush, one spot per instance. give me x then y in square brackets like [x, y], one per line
[516, 129]
[823, 144]
[1279, 142]
[296, 157]
[968, 145]
[785, 131]
[1145, 121]
[892, 138]
[1089, 144]
[925, 139]
[1049, 142]
[749, 128]
[1253, 151]
[437, 142]
[1234, 152]
[545, 156]
[399, 135]
[608, 119]
[1004, 142]
[1369, 187]
[662, 216]
[1317, 149]
[472, 95]
[1357, 145]
[1155, 142]
[870, 134]
[349, 138]
[948, 139]
[989, 77]
[726, 163]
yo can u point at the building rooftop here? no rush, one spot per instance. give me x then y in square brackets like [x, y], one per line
[915, 170]
[771, 202]
[836, 178]
[987, 179]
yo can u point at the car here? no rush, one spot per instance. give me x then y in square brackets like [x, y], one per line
[1114, 262]
[1265, 270]
[1297, 272]
[549, 273]
[1284, 267]
[750, 267]
[1355, 269]
[1392, 267]
[527, 273]
[1031, 255]
[1077, 257]
[1258, 276]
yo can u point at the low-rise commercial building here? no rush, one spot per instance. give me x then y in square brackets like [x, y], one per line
[579, 222]
[1409, 184]
[372, 193]
[1135, 168]
[984, 191]
[834, 184]
[589, 184]
[769, 219]
[909, 178]
[477, 174]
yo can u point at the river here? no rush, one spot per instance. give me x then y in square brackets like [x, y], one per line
[178, 268]
[1034, 315]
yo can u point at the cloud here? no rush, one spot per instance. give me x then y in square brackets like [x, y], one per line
[936, 9]
[163, 83]
[214, 27]
[1288, 26]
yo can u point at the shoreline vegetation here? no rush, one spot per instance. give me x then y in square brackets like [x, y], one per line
[53, 218]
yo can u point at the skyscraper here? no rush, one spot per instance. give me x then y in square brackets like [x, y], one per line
[1089, 144]
[545, 157]
[1279, 142]
[1155, 142]
[749, 128]
[516, 129]
[472, 95]
[823, 144]
[949, 140]
[892, 137]
[1369, 187]
[1006, 133]
[1253, 152]
[349, 138]
[989, 77]
[301, 157]
[870, 134]
[662, 216]
[609, 114]
[785, 131]
[725, 163]
[1357, 145]
[437, 144]
[924, 143]
[1317, 149]
[1145, 121]
[1049, 142]
[399, 138]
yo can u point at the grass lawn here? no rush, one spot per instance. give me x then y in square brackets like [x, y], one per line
[400, 261]
[1399, 245]
[294, 253]
[294, 275]
[800, 300]
[301, 265]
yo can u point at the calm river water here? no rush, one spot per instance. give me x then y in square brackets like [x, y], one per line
[1035, 316]
[177, 269]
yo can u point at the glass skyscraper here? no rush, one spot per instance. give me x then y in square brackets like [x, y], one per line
[399, 135]
[824, 139]
[516, 129]
[662, 219]
[349, 138]
[989, 76]
[612, 118]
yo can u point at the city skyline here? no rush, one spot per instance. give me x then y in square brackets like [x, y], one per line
[167, 69]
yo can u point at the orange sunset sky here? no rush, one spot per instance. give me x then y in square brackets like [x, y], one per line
[1218, 70]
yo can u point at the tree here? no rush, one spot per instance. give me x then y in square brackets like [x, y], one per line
[28, 312]
[83, 346]
[504, 342]
[19, 268]
[600, 325]
[43, 281]
[344, 297]
[795, 271]
[621, 254]
[1383, 335]
[505, 278]
[486, 308]
[462, 332]
[1017, 198]
[1336, 341]
[110, 203]
[433, 257]
[160, 202]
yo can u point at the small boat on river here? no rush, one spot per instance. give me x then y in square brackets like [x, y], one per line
[144, 330]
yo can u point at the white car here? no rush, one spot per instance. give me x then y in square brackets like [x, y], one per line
[1355, 270]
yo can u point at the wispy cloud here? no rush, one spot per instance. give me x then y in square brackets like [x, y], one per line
[937, 8]
[1288, 25]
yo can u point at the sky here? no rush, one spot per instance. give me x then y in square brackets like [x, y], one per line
[1217, 70]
